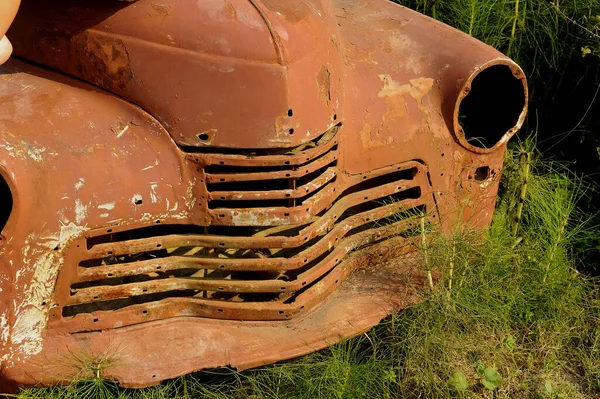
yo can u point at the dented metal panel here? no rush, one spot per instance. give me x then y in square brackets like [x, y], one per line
[242, 176]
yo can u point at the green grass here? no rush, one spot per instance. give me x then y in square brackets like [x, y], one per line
[541, 35]
[509, 317]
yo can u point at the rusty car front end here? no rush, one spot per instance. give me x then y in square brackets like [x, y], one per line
[196, 184]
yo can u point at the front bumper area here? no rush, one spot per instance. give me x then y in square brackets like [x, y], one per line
[144, 355]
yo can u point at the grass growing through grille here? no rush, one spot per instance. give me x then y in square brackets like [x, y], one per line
[509, 317]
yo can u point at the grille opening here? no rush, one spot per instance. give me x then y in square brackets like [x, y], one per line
[292, 252]
[306, 198]
[231, 169]
[263, 185]
[292, 275]
[280, 184]
[412, 193]
[307, 287]
[493, 106]
[406, 174]
[312, 176]
[248, 231]
[292, 231]
[6, 203]
[386, 221]
[247, 204]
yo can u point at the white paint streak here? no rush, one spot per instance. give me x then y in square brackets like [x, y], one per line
[108, 206]
[150, 166]
[122, 131]
[153, 196]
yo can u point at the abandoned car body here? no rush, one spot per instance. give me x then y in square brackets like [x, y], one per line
[196, 184]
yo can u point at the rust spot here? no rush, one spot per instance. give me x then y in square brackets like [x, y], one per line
[396, 109]
[324, 83]
[390, 23]
[103, 61]
[416, 88]
[367, 141]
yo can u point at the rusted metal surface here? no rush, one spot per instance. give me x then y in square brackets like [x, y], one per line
[235, 175]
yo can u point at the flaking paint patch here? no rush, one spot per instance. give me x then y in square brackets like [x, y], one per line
[81, 211]
[257, 219]
[30, 315]
[28, 327]
[147, 217]
[190, 198]
[396, 109]
[24, 150]
[366, 138]
[3, 330]
[416, 88]
[80, 183]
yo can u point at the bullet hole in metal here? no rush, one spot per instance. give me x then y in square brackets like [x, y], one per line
[482, 173]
